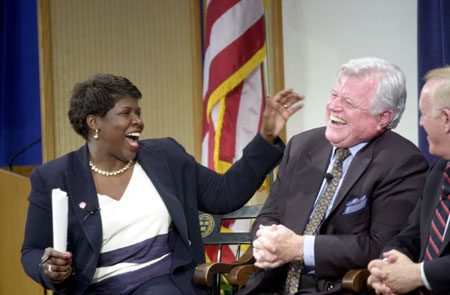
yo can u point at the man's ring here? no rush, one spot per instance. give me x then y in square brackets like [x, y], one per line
[50, 268]
[285, 106]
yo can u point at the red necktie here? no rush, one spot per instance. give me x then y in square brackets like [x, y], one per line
[439, 221]
[438, 224]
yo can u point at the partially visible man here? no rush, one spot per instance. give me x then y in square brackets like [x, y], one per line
[419, 256]
[342, 190]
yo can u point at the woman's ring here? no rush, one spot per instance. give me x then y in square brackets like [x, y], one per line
[50, 268]
[285, 106]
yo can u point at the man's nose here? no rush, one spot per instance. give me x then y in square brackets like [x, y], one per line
[335, 103]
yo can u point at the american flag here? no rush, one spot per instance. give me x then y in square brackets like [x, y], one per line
[233, 90]
[233, 95]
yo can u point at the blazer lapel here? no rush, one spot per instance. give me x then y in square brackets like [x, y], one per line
[81, 191]
[316, 163]
[357, 167]
[430, 201]
[155, 164]
[430, 214]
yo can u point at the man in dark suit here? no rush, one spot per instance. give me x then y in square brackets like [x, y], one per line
[419, 256]
[343, 190]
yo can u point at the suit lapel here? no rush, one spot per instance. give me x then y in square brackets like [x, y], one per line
[81, 190]
[316, 163]
[430, 202]
[430, 213]
[155, 164]
[357, 167]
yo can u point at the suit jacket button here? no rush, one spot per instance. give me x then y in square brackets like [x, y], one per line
[330, 287]
[189, 242]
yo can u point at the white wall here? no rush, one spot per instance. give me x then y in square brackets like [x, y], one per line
[320, 35]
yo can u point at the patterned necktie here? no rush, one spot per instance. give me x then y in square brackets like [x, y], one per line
[293, 276]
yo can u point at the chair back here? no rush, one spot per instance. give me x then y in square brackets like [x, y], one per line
[210, 226]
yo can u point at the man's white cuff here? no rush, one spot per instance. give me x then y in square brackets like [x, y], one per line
[308, 250]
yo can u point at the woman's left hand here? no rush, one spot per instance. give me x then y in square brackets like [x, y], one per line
[278, 110]
[57, 265]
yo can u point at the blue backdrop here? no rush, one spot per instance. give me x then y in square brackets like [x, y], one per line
[433, 46]
[20, 119]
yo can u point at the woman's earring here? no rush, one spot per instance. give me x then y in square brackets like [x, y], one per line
[96, 134]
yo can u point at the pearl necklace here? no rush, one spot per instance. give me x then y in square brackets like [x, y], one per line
[107, 173]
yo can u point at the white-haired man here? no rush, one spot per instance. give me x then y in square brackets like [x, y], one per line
[419, 256]
[342, 190]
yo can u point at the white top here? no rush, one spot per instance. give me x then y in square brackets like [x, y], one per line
[135, 236]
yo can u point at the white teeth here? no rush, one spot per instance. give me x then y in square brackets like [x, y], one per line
[134, 134]
[338, 120]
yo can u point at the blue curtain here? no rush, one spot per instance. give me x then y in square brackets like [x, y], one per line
[433, 20]
[20, 118]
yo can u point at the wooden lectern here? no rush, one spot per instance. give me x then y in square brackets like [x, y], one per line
[14, 190]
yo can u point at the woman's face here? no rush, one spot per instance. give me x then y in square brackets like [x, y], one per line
[120, 128]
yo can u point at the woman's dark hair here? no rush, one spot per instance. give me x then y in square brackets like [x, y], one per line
[97, 96]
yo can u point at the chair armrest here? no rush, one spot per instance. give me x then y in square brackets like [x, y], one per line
[240, 274]
[204, 273]
[355, 279]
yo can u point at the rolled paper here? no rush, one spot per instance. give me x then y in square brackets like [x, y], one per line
[60, 210]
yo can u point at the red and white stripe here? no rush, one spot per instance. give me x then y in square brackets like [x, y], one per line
[233, 92]
[233, 95]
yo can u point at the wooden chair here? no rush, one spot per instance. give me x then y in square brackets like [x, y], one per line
[207, 274]
[355, 280]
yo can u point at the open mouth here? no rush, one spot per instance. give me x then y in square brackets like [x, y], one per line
[336, 120]
[133, 139]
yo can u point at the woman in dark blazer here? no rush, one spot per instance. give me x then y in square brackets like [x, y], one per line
[133, 205]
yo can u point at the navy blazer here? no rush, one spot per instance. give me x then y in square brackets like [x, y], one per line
[386, 177]
[412, 241]
[184, 185]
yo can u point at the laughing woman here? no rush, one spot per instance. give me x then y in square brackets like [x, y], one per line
[146, 237]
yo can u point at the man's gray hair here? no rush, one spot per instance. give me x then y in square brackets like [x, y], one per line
[391, 85]
[441, 93]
